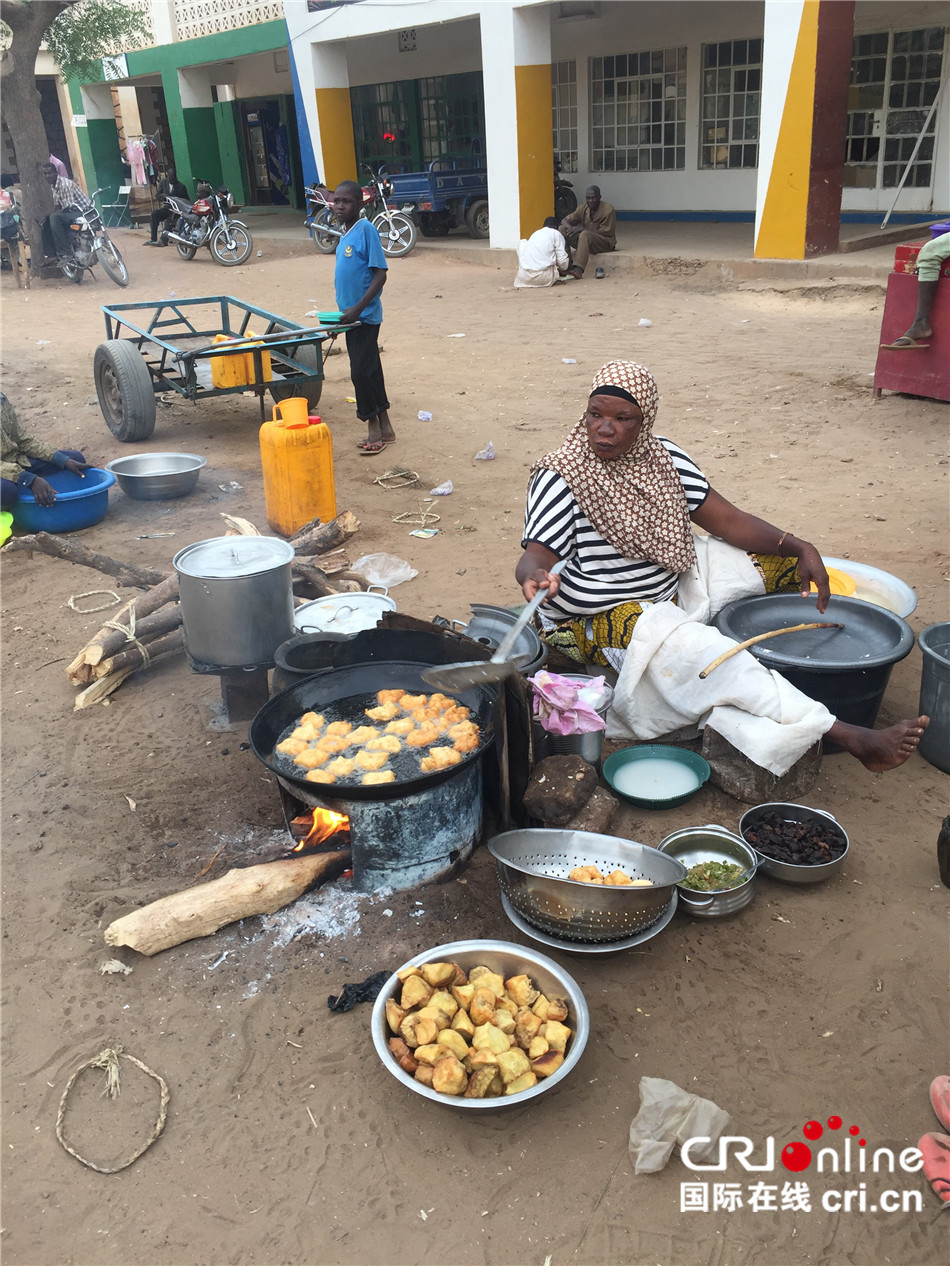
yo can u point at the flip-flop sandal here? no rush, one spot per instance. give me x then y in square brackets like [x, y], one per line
[371, 447]
[940, 1099]
[599, 273]
[903, 344]
[935, 1149]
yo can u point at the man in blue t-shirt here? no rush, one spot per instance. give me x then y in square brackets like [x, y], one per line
[359, 280]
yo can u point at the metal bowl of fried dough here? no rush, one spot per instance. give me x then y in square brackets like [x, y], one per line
[535, 980]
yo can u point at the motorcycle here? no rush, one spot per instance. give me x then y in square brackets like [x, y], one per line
[89, 244]
[565, 199]
[206, 222]
[396, 230]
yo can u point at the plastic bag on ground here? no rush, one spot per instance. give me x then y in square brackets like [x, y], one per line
[567, 707]
[668, 1117]
[384, 569]
[486, 454]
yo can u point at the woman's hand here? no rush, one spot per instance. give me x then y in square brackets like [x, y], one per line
[540, 579]
[811, 568]
[533, 571]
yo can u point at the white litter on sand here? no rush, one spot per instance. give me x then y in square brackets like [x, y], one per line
[328, 912]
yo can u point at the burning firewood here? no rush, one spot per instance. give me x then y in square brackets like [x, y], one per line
[239, 894]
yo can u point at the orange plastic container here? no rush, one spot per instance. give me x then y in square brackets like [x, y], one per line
[297, 458]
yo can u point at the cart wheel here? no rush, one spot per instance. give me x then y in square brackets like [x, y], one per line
[311, 388]
[476, 218]
[124, 388]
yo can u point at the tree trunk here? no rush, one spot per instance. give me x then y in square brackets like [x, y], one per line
[74, 551]
[21, 109]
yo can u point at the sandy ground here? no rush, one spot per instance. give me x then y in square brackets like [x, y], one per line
[286, 1142]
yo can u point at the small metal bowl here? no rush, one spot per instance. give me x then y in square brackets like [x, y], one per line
[787, 871]
[157, 476]
[509, 960]
[680, 757]
[695, 844]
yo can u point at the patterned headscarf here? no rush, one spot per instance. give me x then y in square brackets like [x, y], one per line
[636, 501]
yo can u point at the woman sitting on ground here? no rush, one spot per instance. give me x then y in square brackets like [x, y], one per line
[621, 502]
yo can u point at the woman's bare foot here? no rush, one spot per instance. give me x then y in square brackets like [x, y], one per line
[879, 750]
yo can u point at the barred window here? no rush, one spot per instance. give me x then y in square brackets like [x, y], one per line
[564, 113]
[732, 84]
[638, 111]
[895, 76]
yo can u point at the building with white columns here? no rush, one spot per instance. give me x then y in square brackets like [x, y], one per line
[789, 112]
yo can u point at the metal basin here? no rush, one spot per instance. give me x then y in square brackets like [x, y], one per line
[788, 871]
[157, 476]
[509, 960]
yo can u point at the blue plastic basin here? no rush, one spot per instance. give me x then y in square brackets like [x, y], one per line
[80, 502]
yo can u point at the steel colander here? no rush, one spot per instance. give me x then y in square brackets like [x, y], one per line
[533, 868]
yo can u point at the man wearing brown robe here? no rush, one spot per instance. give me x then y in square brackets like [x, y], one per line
[590, 230]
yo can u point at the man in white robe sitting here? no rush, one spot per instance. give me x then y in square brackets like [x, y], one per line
[542, 258]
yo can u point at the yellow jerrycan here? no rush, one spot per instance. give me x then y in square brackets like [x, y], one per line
[297, 458]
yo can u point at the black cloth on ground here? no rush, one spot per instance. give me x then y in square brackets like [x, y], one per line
[364, 992]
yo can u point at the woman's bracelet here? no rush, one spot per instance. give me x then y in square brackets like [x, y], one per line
[781, 541]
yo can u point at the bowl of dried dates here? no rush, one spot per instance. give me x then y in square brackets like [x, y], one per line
[795, 843]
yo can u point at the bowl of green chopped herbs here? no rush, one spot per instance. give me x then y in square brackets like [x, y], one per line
[720, 870]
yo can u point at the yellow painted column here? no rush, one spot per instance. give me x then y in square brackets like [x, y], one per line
[807, 54]
[535, 151]
[337, 142]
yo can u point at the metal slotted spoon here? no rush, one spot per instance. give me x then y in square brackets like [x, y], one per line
[476, 672]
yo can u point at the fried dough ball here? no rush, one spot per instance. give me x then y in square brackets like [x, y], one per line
[385, 712]
[292, 746]
[371, 760]
[312, 718]
[362, 734]
[389, 696]
[462, 729]
[337, 729]
[424, 736]
[441, 701]
[409, 703]
[321, 775]
[618, 878]
[309, 726]
[439, 758]
[426, 715]
[312, 757]
[586, 875]
[467, 743]
[456, 714]
[384, 775]
[342, 767]
[332, 743]
[385, 743]
[402, 726]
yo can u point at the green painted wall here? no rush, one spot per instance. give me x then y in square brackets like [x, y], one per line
[206, 141]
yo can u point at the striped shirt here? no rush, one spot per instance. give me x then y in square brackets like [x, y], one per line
[597, 577]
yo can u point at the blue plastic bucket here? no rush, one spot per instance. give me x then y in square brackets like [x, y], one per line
[81, 501]
[934, 642]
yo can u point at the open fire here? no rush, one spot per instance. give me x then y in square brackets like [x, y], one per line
[312, 828]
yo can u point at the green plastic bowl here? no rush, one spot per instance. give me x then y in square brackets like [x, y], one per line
[6, 526]
[678, 756]
[329, 318]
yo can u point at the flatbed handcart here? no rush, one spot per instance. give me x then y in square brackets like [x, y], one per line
[211, 346]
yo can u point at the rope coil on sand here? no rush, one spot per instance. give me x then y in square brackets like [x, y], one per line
[92, 593]
[108, 1059]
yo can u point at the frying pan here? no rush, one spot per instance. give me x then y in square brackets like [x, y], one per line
[335, 686]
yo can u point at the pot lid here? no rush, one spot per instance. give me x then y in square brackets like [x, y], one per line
[871, 637]
[489, 625]
[343, 612]
[227, 557]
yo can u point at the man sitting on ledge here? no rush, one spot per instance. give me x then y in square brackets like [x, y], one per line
[590, 230]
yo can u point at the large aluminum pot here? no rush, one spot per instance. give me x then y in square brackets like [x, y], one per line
[237, 601]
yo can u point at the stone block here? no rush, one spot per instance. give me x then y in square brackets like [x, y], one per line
[741, 778]
[558, 788]
[596, 815]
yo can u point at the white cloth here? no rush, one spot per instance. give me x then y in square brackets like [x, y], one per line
[659, 692]
[539, 258]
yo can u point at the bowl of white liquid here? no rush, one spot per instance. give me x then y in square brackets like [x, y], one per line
[655, 775]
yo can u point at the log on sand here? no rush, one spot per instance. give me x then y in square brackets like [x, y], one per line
[327, 536]
[74, 552]
[239, 894]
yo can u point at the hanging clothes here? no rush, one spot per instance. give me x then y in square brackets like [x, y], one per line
[136, 152]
